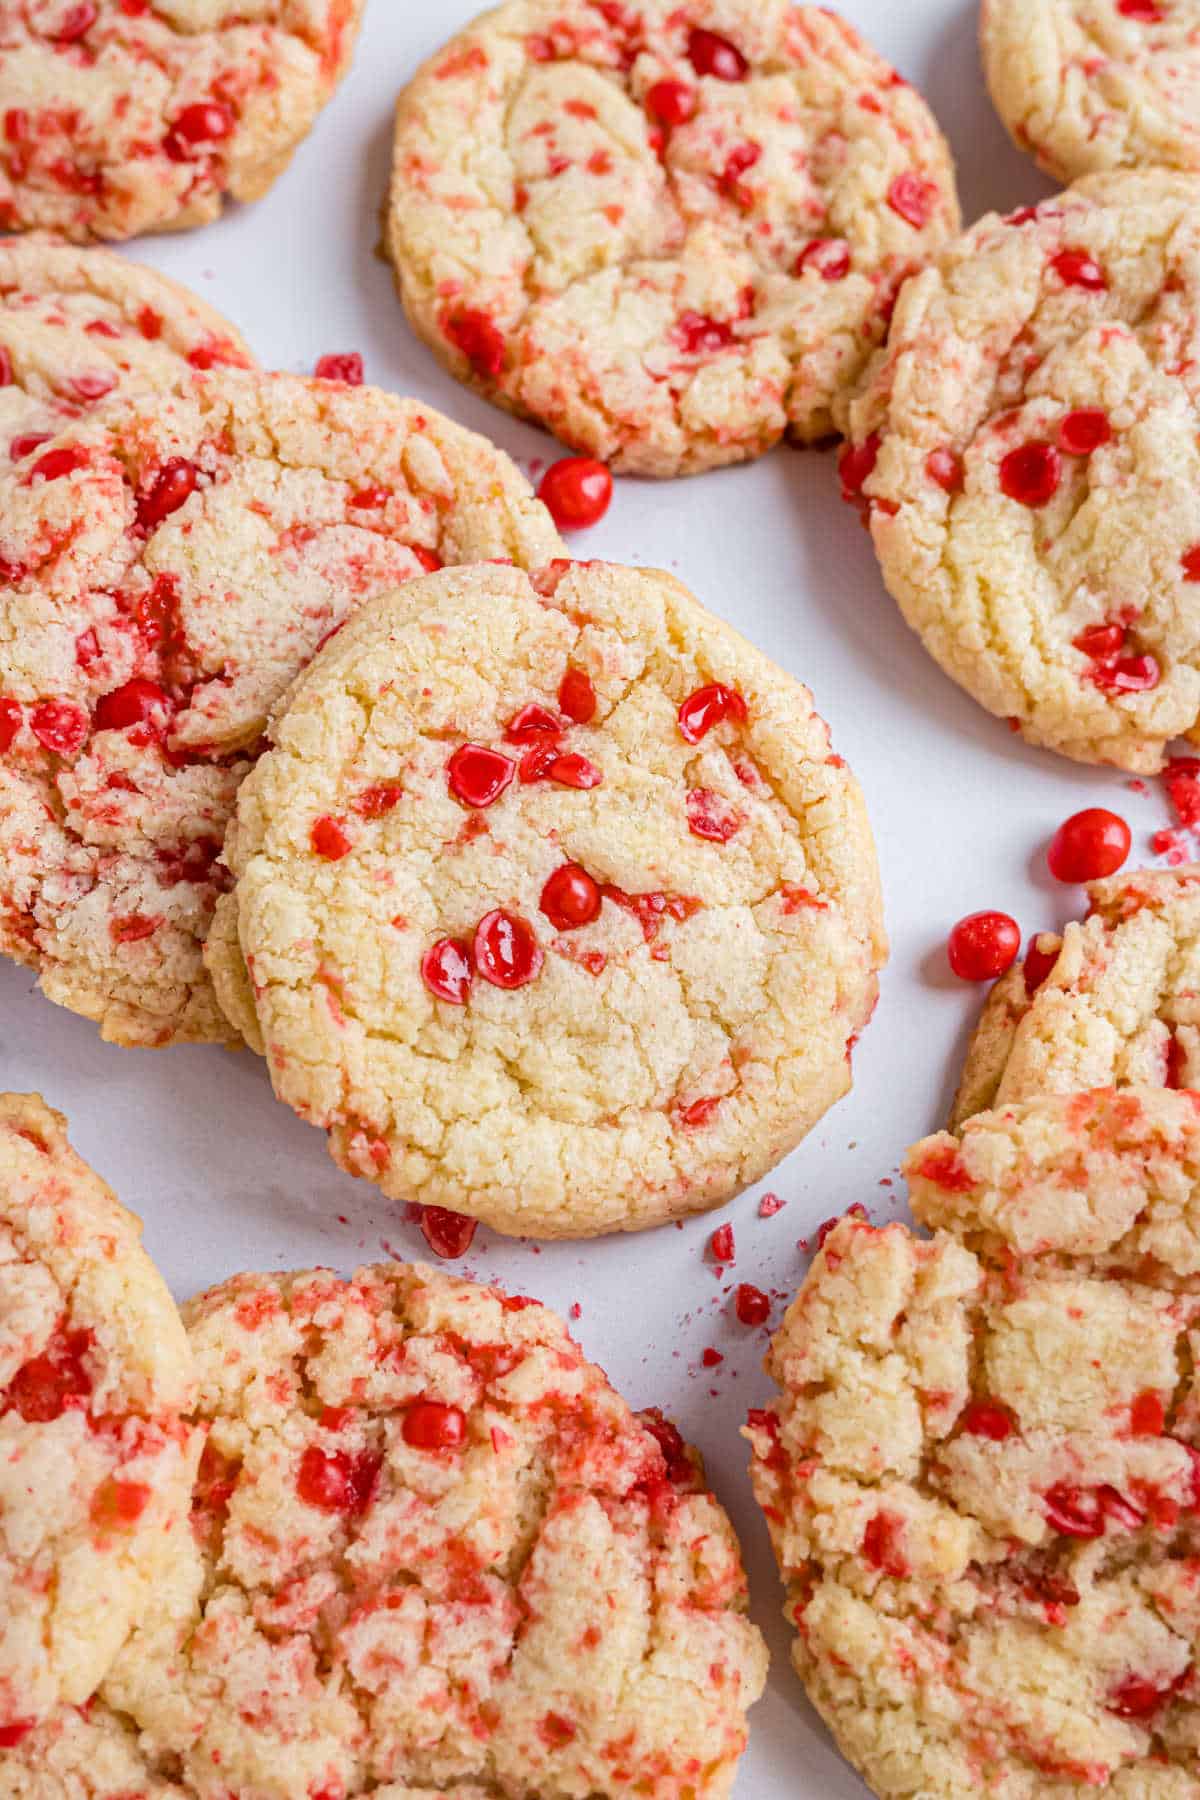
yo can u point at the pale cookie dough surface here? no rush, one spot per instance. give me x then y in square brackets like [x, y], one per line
[434, 1554]
[1114, 1002]
[1090, 85]
[980, 1481]
[1027, 450]
[666, 295]
[662, 1055]
[122, 116]
[78, 326]
[95, 1464]
[166, 568]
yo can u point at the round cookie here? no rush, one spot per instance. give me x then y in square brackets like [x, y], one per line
[166, 568]
[121, 117]
[1091, 85]
[1112, 1002]
[1026, 450]
[78, 326]
[670, 236]
[980, 1475]
[95, 1464]
[434, 1553]
[557, 907]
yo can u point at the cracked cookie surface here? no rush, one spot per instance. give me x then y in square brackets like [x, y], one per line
[78, 326]
[1090, 85]
[166, 569]
[1113, 1001]
[557, 908]
[1026, 449]
[433, 1553]
[95, 1464]
[671, 237]
[980, 1475]
[121, 117]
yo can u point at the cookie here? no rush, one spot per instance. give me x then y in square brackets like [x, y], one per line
[121, 117]
[669, 236]
[1026, 450]
[980, 1473]
[79, 326]
[557, 908]
[1091, 85]
[434, 1553]
[95, 1464]
[1112, 1002]
[166, 568]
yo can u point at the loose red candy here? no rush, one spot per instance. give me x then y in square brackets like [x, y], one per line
[1088, 846]
[448, 1234]
[430, 1425]
[570, 898]
[751, 1305]
[709, 706]
[983, 945]
[347, 367]
[478, 776]
[446, 971]
[1031, 474]
[710, 54]
[721, 1244]
[576, 492]
[506, 951]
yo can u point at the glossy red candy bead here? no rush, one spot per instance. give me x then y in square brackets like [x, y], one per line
[983, 945]
[711, 816]
[338, 1482]
[1101, 641]
[138, 702]
[204, 121]
[446, 971]
[1075, 268]
[531, 724]
[856, 463]
[347, 367]
[431, 1425]
[751, 1305]
[574, 771]
[671, 102]
[1031, 474]
[570, 898]
[10, 722]
[1089, 845]
[506, 951]
[329, 838]
[711, 54]
[709, 706]
[448, 1234]
[477, 775]
[174, 483]
[1081, 432]
[577, 696]
[576, 492]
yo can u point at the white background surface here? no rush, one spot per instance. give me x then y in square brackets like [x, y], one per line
[226, 1178]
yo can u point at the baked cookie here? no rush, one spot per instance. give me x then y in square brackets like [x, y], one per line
[1115, 1001]
[557, 908]
[122, 117]
[1090, 85]
[77, 326]
[434, 1554]
[1026, 448]
[95, 1465]
[671, 236]
[980, 1476]
[166, 567]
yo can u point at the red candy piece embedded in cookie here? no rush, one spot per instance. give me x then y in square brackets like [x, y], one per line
[1146, 12]
[913, 199]
[945, 467]
[60, 726]
[329, 838]
[1075, 268]
[1101, 642]
[46, 1386]
[570, 898]
[1031, 474]
[171, 487]
[10, 723]
[448, 1234]
[984, 1418]
[338, 1483]
[531, 724]
[1127, 674]
[721, 1245]
[139, 702]
[1081, 432]
[577, 696]
[1038, 964]
[15, 1732]
[983, 945]
[576, 492]
[855, 464]
[203, 122]
[478, 776]
[506, 951]
[430, 1425]
[710, 54]
[827, 257]
[1088, 846]
[571, 770]
[882, 1544]
[474, 334]
[57, 464]
[446, 971]
[709, 706]
[671, 102]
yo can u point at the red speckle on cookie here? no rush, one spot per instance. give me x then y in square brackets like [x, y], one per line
[709, 706]
[1147, 1414]
[555, 1731]
[339, 1483]
[377, 801]
[882, 1544]
[477, 775]
[448, 1234]
[118, 1505]
[507, 954]
[132, 928]
[945, 467]
[827, 257]
[430, 1425]
[711, 54]
[946, 1168]
[1031, 474]
[711, 816]
[1075, 268]
[446, 971]
[570, 898]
